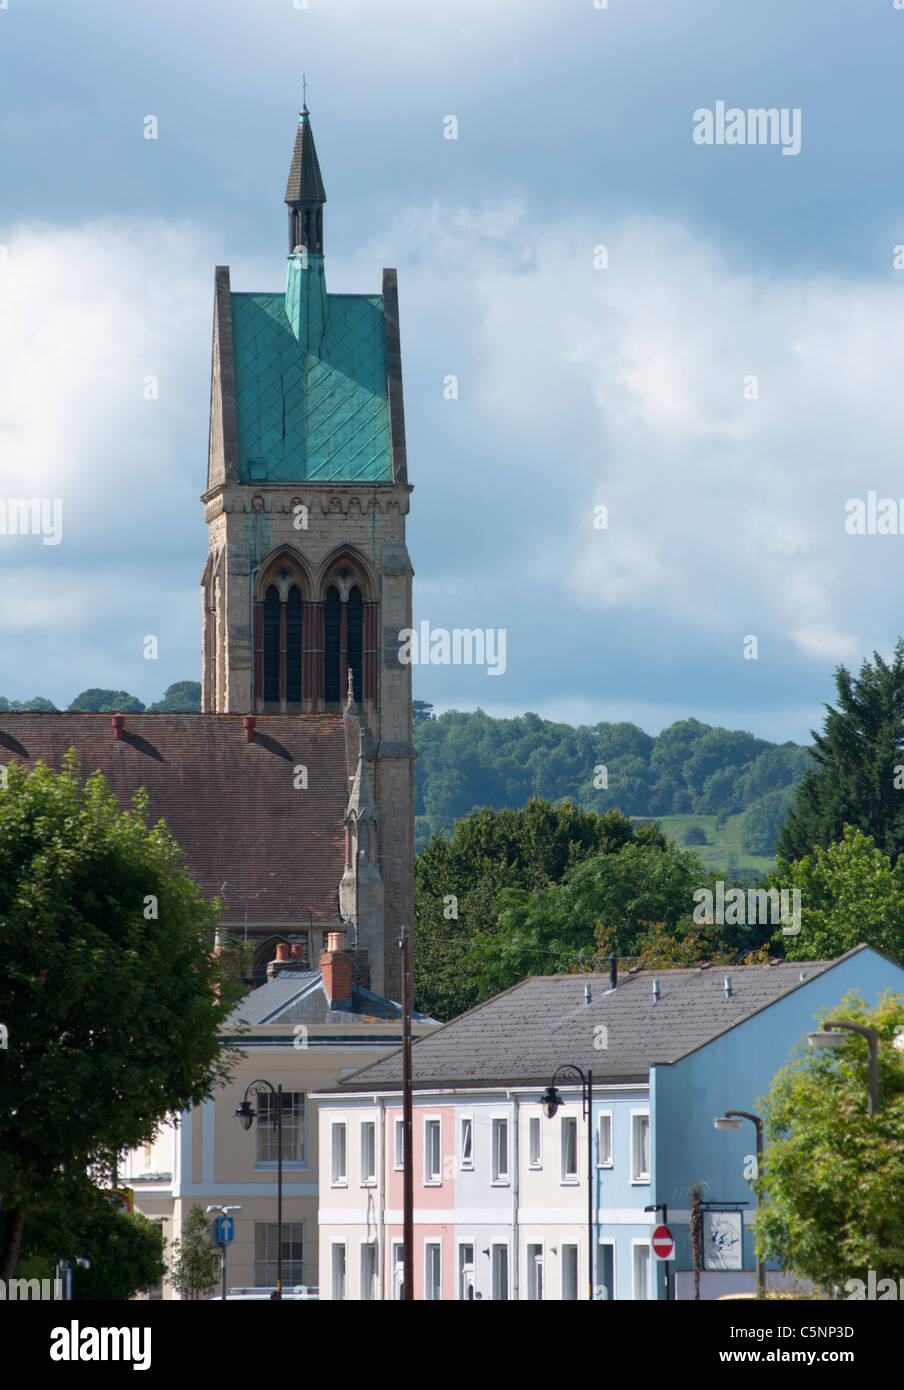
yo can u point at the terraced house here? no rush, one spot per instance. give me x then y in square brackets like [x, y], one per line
[513, 1202]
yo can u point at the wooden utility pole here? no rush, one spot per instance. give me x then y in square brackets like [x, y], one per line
[407, 1126]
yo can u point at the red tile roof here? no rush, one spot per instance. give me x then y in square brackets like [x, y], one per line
[231, 805]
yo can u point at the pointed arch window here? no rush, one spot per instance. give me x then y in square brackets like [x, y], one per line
[271, 645]
[293, 645]
[355, 638]
[332, 623]
[279, 634]
[343, 643]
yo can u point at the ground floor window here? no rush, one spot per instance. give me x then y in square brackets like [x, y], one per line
[398, 1269]
[338, 1263]
[433, 1267]
[265, 1252]
[369, 1271]
[466, 1271]
[535, 1271]
[569, 1272]
[641, 1271]
[605, 1270]
[500, 1272]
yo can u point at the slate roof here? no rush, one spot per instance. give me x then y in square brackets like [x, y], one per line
[298, 996]
[231, 805]
[304, 184]
[522, 1035]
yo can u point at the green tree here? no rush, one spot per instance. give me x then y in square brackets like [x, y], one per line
[665, 947]
[470, 760]
[183, 697]
[672, 750]
[422, 709]
[857, 753]
[695, 835]
[39, 702]
[458, 881]
[832, 1186]
[113, 999]
[107, 702]
[74, 1219]
[547, 930]
[850, 892]
[721, 793]
[720, 750]
[196, 1263]
[763, 819]
[774, 769]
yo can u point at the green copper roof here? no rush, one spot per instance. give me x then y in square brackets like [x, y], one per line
[312, 406]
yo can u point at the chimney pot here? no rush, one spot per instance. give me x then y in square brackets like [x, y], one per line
[248, 722]
[118, 721]
[613, 971]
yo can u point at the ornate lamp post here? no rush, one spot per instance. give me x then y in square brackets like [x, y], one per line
[246, 1114]
[550, 1101]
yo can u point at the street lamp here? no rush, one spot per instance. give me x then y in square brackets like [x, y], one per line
[732, 1120]
[832, 1038]
[550, 1101]
[245, 1115]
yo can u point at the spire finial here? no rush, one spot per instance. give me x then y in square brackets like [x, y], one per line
[304, 95]
[305, 193]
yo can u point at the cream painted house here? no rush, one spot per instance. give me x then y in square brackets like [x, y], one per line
[307, 1030]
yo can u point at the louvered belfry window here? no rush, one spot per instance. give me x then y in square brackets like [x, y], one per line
[271, 645]
[293, 646]
[332, 622]
[282, 647]
[355, 637]
[306, 643]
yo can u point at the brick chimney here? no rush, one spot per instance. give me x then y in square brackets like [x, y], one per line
[287, 958]
[336, 969]
[343, 971]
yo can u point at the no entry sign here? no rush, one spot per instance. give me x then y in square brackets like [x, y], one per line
[663, 1243]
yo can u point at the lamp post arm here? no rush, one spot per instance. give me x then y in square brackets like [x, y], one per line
[250, 1088]
[758, 1123]
[872, 1038]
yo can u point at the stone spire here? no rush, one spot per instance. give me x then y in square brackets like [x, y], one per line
[305, 195]
[361, 892]
[361, 804]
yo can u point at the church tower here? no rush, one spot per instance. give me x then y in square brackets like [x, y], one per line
[308, 582]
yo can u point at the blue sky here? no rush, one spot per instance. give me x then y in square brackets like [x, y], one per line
[578, 386]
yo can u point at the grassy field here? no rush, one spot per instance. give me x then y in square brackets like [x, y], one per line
[724, 845]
